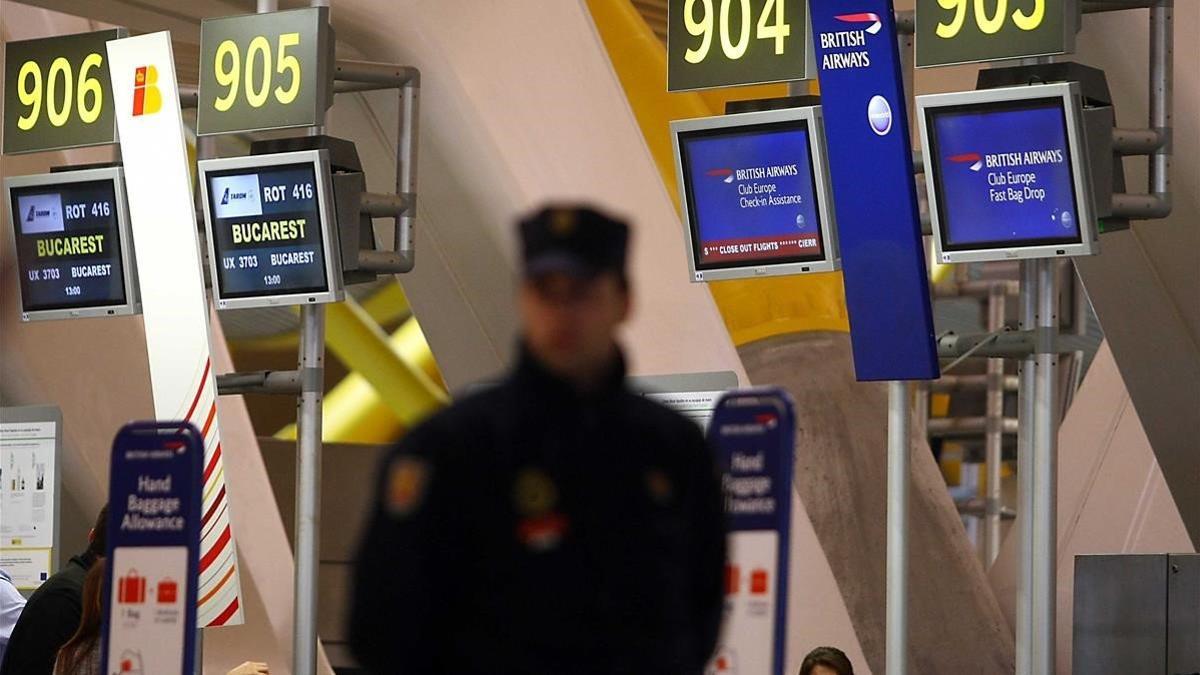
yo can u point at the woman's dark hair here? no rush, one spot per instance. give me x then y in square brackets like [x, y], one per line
[100, 529]
[830, 657]
[77, 650]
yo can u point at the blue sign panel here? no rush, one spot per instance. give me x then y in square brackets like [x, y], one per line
[870, 164]
[753, 433]
[1004, 175]
[153, 549]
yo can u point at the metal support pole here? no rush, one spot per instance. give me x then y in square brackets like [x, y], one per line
[1045, 474]
[308, 487]
[897, 528]
[1162, 72]
[994, 438]
[1025, 397]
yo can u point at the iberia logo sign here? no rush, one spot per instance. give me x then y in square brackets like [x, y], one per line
[972, 158]
[147, 100]
[863, 17]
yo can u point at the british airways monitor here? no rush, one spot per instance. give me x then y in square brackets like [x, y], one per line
[1007, 173]
[755, 194]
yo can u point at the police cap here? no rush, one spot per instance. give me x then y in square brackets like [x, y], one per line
[576, 240]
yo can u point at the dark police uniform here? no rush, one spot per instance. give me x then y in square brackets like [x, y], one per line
[532, 528]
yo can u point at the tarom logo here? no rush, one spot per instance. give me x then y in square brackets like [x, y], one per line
[863, 17]
[29, 218]
[147, 100]
[972, 158]
[227, 196]
[34, 213]
[725, 174]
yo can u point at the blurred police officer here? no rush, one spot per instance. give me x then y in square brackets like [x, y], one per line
[556, 523]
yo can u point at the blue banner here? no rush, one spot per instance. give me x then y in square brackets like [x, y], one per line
[753, 432]
[870, 163]
[153, 550]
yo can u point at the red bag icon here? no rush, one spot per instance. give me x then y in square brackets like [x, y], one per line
[732, 579]
[167, 592]
[758, 582]
[131, 589]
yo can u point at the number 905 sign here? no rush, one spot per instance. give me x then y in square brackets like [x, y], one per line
[717, 43]
[57, 93]
[264, 71]
[963, 31]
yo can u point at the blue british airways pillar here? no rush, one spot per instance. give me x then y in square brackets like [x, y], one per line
[153, 550]
[870, 165]
[753, 433]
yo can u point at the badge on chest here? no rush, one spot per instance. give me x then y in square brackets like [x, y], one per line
[540, 525]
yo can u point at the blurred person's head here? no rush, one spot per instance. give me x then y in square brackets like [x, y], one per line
[826, 661]
[574, 293]
[98, 536]
[78, 649]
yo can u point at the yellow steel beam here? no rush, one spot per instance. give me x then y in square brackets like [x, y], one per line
[354, 412]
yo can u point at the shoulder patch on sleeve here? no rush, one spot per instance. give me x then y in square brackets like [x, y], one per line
[407, 480]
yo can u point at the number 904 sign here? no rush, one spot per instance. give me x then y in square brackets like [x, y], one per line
[719, 43]
[264, 71]
[964, 31]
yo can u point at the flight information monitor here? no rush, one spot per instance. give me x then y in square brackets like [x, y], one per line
[71, 232]
[755, 195]
[1008, 174]
[272, 233]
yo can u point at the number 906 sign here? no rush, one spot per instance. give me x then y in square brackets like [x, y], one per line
[718, 43]
[57, 93]
[264, 71]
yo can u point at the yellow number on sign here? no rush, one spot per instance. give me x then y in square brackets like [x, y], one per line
[990, 26]
[258, 45]
[288, 62]
[60, 67]
[735, 51]
[89, 85]
[227, 77]
[1032, 20]
[704, 28]
[258, 89]
[949, 30]
[30, 97]
[778, 31]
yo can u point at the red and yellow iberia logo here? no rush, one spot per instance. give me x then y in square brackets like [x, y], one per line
[147, 100]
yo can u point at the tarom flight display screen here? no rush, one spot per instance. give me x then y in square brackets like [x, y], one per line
[750, 193]
[1003, 175]
[267, 230]
[68, 245]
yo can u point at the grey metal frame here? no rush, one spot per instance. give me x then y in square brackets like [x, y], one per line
[821, 188]
[1081, 174]
[133, 303]
[335, 290]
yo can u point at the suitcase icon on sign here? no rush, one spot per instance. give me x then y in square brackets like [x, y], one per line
[130, 663]
[131, 589]
[167, 593]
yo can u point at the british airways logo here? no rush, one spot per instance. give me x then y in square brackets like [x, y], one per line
[973, 158]
[861, 18]
[726, 175]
